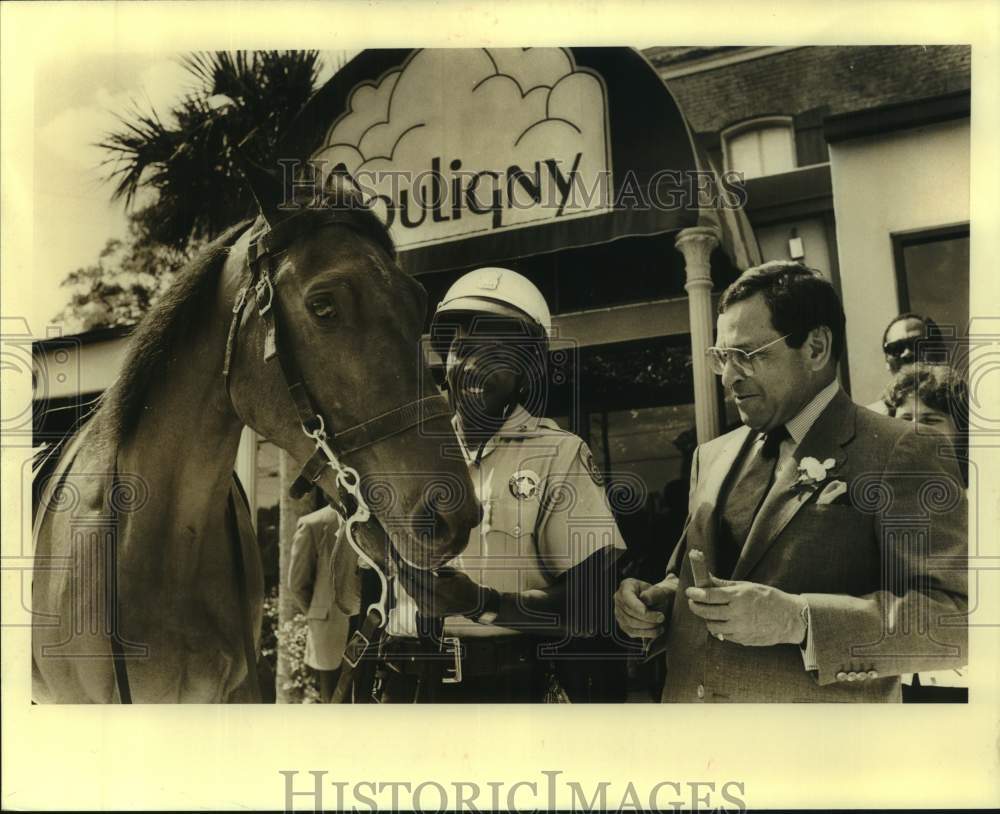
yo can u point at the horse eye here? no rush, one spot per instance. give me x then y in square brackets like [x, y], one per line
[323, 307]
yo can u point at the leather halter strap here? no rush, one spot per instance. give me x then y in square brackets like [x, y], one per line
[366, 434]
[260, 259]
[329, 447]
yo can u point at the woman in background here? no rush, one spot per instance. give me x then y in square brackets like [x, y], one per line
[935, 399]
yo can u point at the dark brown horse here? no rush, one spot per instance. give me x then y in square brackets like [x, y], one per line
[134, 542]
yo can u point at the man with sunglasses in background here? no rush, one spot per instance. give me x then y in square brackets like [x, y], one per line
[814, 566]
[904, 337]
[523, 614]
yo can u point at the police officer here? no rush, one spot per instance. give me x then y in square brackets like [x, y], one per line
[533, 589]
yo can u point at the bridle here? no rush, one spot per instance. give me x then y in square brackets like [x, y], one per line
[329, 448]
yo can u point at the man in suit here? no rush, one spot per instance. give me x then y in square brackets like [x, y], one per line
[324, 583]
[833, 540]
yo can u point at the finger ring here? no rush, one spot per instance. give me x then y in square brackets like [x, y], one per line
[720, 637]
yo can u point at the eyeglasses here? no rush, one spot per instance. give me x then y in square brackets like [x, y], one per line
[741, 359]
[901, 346]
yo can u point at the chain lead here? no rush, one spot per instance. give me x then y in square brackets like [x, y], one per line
[349, 480]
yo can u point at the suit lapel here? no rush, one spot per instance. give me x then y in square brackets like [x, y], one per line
[720, 473]
[826, 438]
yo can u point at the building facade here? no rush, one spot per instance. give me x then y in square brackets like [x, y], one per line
[856, 161]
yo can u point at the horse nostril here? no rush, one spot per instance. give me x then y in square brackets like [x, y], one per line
[443, 533]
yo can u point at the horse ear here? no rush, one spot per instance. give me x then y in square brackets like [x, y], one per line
[265, 186]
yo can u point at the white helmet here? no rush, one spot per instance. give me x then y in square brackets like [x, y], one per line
[497, 291]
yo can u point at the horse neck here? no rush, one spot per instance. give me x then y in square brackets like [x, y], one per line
[185, 445]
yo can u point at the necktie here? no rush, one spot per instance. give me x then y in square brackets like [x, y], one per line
[744, 498]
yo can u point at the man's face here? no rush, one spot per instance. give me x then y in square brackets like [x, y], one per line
[484, 368]
[781, 382]
[906, 332]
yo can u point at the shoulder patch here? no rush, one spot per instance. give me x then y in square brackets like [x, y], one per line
[587, 462]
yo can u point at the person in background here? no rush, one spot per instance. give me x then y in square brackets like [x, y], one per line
[935, 399]
[791, 583]
[324, 584]
[900, 345]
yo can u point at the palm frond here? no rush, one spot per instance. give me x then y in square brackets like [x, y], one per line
[187, 154]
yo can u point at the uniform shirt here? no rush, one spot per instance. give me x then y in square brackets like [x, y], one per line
[544, 511]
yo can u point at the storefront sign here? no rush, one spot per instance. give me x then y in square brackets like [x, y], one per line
[481, 154]
[461, 142]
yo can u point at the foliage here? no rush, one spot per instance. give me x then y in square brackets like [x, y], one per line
[128, 277]
[269, 630]
[186, 160]
[243, 102]
[299, 683]
[626, 375]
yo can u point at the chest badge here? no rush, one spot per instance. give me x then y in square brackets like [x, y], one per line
[523, 484]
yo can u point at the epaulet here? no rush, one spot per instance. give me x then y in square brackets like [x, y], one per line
[539, 428]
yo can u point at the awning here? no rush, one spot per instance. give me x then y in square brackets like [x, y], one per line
[498, 153]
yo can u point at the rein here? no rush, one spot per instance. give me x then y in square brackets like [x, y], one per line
[261, 267]
[329, 447]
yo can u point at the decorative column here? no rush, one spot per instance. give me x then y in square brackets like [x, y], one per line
[696, 244]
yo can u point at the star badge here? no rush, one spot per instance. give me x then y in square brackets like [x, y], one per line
[523, 484]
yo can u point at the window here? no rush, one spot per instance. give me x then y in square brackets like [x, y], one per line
[761, 147]
[932, 275]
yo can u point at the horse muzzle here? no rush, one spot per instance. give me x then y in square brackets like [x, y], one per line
[435, 534]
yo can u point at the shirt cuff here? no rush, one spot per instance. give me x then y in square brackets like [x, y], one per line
[808, 647]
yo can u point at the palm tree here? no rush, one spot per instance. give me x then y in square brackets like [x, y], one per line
[189, 158]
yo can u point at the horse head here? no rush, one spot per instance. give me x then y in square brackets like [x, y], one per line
[331, 326]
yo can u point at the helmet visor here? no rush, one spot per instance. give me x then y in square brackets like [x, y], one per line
[494, 321]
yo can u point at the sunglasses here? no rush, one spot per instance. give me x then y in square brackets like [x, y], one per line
[901, 346]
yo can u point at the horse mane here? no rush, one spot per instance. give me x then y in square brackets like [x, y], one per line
[174, 315]
[158, 332]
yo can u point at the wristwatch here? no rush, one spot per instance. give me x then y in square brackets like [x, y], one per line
[490, 609]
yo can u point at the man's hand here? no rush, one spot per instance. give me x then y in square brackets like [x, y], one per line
[749, 613]
[641, 607]
[446, 592]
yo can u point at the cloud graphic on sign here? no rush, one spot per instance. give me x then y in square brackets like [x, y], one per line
[489, 108]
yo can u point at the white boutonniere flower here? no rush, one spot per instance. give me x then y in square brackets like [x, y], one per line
[813, 472]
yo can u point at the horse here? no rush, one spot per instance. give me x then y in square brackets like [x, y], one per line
[147, 578]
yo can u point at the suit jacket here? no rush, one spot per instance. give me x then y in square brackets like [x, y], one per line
[324, 583]
[883, 568]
